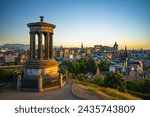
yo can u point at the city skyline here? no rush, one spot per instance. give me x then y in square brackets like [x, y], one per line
[91, 22]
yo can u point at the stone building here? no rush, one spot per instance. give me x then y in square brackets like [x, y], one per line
[115, 50]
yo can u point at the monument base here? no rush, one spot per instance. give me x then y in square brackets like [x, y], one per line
[42, 75]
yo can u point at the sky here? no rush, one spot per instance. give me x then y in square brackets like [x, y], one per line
[92, 22]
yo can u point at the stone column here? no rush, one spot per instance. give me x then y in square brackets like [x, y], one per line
[34, 49]
[40, 82]
[40, 53]
[18, 82]
[51, 45]
[46, 41]
[47, 46]
[61, 80]
[31, 45]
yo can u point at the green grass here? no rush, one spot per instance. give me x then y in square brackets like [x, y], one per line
[108, 93]
[145, 96]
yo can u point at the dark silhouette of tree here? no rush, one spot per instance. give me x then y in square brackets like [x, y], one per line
[115, 80]
[91, 66]
[104, 66]
[83, 65]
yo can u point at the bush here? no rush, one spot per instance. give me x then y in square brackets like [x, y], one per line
[145, 96]
[82, 77]
[70, 75]
[104, 66]
[141, 85]
[6, 76]
[115, 80]
[97, 80]
[82, 66]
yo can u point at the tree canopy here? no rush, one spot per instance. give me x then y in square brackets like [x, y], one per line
[84, 65]
[104, 66]
[115, 80]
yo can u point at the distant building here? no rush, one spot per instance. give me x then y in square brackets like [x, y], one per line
[115, 50]
[125, 52]
[1, 54]
[98, 48]
[82, 48]
[135, 65]
[81, 45]
[22, 58]
[88, 51]
[10, 59]
[54, 53]
[71, 51]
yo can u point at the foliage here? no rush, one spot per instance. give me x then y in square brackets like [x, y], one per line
[83, 62]
[104, 66]
[97, 80]
[91, 66]
[7, 86]
[145, 96]
[82, 66]
[115, 80]
[82, 77]
[141, 85]
[108, 93]
[74, 67]
[6, 75]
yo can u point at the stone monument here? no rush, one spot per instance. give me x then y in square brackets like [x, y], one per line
[41, 70]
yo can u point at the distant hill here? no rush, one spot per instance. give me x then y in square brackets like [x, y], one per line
[18, 46]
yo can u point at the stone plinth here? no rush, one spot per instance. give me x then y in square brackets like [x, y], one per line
[41, 67]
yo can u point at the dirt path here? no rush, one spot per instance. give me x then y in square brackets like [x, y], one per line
[64, 93]
[80, 91]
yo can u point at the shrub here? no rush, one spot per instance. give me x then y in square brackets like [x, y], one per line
[6, 76]
[141, 85]
[82, 77]
[82, 66]
[104, 66]
[115, 80]
[97, 80]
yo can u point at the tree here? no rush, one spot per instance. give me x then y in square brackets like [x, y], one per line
[83, 65]
[82, 77]
[104, 66]
[115, 80]
[74, 67]
[140, 85]
[91, 66]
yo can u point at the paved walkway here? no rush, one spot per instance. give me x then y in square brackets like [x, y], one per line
[64, 93]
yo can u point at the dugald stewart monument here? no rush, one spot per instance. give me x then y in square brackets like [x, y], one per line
[41, 71]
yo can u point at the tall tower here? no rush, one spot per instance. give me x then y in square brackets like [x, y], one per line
[41, 65]
[125, 52]
[115, 50]
[82, 45]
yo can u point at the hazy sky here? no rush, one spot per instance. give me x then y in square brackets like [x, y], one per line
[89, 21]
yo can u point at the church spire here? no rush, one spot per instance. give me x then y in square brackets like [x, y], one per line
[82, 45]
